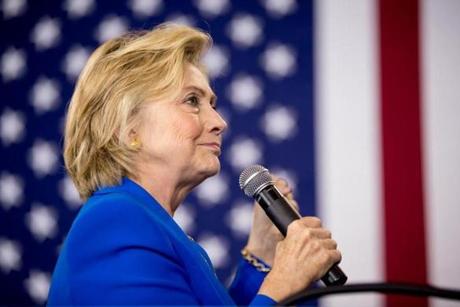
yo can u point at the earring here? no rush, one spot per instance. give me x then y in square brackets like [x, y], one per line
[135, 143]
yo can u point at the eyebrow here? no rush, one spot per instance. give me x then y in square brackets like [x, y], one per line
[203, 93]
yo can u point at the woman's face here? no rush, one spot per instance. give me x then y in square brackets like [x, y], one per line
[183, 136]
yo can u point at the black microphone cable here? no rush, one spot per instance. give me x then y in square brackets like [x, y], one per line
[384, 288]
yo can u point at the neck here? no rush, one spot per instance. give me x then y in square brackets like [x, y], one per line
[165, 186]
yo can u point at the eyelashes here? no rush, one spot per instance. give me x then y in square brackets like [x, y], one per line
[194, 100]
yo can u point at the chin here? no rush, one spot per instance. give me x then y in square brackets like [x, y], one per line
[203, 167]
[214, 170]
[211, 169]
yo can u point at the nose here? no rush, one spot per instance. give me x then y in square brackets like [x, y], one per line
[215, 123]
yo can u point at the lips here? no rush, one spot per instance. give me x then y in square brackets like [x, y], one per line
[214, 146]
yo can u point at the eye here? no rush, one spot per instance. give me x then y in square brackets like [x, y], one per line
[193, 101]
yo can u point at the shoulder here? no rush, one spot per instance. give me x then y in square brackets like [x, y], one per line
[118, 208]
[110, 207]
[115, 243]
[114, 220]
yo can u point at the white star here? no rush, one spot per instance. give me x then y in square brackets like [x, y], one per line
[11, 190]
[112, 26]
[13, 64]
[278, 61]
[145, 8]
[245, 92]
[10, 255]
[185, 217]
[43, 158]
[213, 190]
[69, 193]
[11, 127]
[239, 218]
[278, 9]
[244, 152]
[74, 61]
[46, 33]
[37, 285]
[216, 61]
[212, 8]
[45, 95]
[181, 19]
[245, 30]
[79, 8]
[217, 249]
[13, 8]
[41, 221]
[279, 123]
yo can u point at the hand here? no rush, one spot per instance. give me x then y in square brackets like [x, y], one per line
[264, 235]
[304, 256]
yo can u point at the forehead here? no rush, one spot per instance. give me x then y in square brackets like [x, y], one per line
[195, 77]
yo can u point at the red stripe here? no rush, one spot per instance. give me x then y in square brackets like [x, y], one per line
[401, 144]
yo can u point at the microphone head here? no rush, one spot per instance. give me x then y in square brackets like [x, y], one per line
[253, 178]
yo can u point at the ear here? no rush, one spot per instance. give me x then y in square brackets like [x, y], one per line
[132, 134]
[133, 139]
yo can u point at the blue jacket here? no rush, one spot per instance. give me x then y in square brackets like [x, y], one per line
[124, 248]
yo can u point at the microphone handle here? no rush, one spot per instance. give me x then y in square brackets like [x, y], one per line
[282, 214]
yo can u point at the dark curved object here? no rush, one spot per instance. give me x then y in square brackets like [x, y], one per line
[386, 288]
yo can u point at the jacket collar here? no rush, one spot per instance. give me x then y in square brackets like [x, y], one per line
[137, 192]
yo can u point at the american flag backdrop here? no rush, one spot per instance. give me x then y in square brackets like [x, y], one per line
[355, 103]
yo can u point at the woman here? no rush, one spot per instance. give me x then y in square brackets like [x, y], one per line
[141, 132]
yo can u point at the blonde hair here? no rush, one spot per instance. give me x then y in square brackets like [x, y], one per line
[118, 78]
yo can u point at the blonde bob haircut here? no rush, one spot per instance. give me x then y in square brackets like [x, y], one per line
[119, 77]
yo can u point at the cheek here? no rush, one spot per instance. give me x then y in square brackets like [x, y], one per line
[171, 135]
[186, 128]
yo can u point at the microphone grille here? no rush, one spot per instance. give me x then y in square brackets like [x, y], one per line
[252, 178]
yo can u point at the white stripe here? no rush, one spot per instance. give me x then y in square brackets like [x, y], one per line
[441, 117]
[348, 139]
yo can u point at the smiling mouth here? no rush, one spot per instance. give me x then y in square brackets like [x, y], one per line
[213, 146]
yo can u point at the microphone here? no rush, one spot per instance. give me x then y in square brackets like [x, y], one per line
[257, 182]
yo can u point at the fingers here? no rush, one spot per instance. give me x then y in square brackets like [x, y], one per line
[321, 233]
[332, 257]
[310, 221]
[336, 256]
[310, 228]
[330, 244]
[283, 186]
[306, 242]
